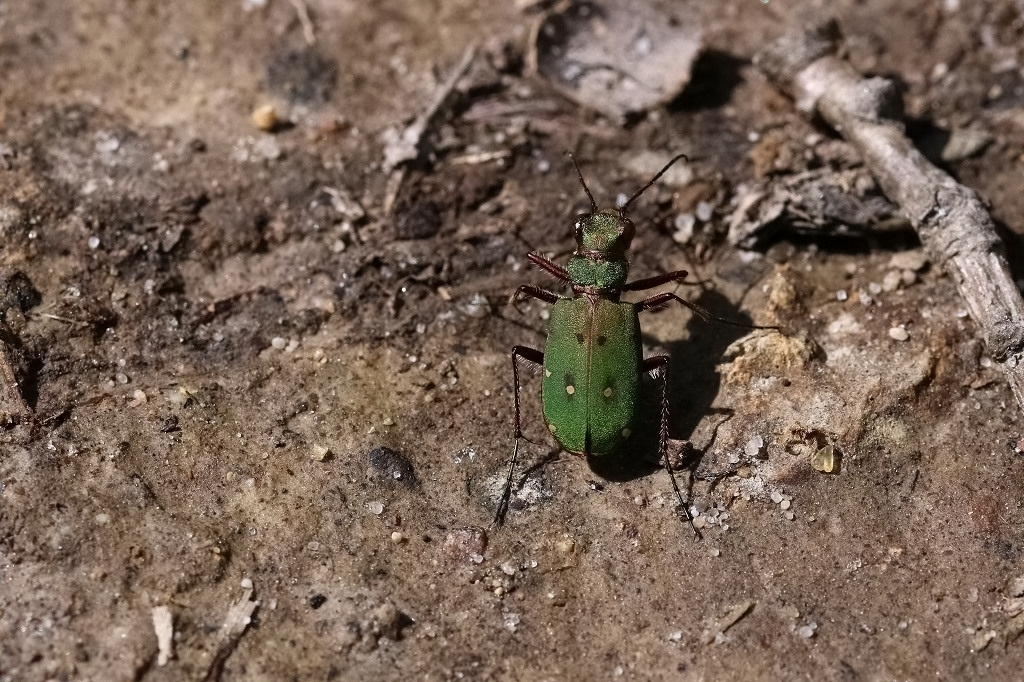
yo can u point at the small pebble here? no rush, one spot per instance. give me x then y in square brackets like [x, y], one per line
[94, 242]
[375, 508]
[704, 211]
[789, 516]
[776, 496]
[397, 537]
[899, 333]
[892, 280]
[785, 504]
[754, 446]
[265, 117]
[807, 631]
[715, 551]
[320, 453]
[246, 583]
[842, 295]
[279, 343]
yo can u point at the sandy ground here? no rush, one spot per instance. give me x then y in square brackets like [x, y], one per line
[251, 382]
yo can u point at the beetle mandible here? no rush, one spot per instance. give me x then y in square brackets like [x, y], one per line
[593, 359]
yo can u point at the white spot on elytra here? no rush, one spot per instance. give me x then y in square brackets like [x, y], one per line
[552, 428]
[570, 389]
[626, 433]
[608, 392]
[547, 372]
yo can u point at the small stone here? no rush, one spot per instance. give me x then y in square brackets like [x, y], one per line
[704, 211]
[565, 546]
[909, 260]
[675, 636]
[508, 568]
[754, 446]
[776, 496]
[684, 224]
[824, 460]
[807, 631]
[842, 295]
[715, 551]
[246, 583]
[785, 504]
[892, 280]
[121, 378]
[964, 143]
[376, 508]
[789, 516]
[700, 522]
[397, 537]
[265, 117]
[94, 242]
[139, 397]
[279, 343]
[899, 333]
[466, 543]
[1016, 587]
[320, 453]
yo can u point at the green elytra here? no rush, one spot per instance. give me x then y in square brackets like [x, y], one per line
[593, 359]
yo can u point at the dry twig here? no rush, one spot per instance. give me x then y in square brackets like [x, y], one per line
[12, 403]
[408, 145]
[951, 220]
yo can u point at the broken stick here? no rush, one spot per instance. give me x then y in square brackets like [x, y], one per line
[955, 228]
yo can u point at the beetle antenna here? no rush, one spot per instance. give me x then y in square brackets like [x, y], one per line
[583, 182]
[643, 189]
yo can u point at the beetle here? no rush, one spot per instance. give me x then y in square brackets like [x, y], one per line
[593, 359]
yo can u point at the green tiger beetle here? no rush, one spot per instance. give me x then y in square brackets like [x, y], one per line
[593, 360]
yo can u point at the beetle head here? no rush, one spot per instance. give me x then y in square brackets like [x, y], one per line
[609, 231]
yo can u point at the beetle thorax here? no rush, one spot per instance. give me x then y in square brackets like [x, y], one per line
[602, 239]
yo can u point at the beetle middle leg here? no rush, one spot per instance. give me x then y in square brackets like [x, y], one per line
[532, 292]
[661, 300]
[536, 357]
[659, 363]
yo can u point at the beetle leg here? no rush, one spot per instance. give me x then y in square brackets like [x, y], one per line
[532, 292]
[537, 357]
[656, 281]
[661, 300]
[659, 363]
[553, 269]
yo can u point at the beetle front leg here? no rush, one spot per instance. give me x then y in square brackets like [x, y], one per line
[536, 357]
[553, 269]
[657, 281]
[659, 363]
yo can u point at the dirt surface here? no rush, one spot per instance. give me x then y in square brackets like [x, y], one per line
[251, 382]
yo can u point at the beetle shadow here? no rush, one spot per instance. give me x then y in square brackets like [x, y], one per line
[693, 385]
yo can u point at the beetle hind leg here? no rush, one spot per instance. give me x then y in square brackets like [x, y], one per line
[536, 357]
[659, 363]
